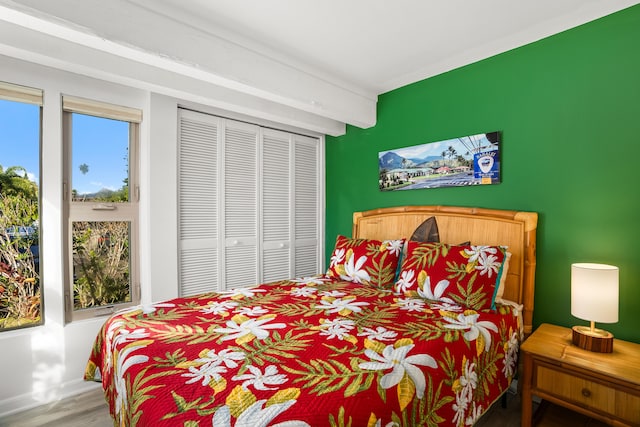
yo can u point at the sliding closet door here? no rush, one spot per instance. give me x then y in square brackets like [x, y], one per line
[249, 204]
[306, 200]
[198, 213]
[276, 205]
[240, 204]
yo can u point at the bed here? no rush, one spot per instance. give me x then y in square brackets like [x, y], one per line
[395, 333]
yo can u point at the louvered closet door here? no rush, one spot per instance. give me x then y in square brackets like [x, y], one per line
[276, 205]
[197, 203]
[240, 204]
[249, 201]
[306, 154]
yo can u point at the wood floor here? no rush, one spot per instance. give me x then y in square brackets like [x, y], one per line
[90, 410]
[84, 410]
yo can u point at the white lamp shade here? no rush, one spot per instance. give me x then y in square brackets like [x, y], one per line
[594, 292]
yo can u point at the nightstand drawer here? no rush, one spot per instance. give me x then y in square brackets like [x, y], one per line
[604, 386]
[592, 394]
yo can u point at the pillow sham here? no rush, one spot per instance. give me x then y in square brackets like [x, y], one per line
[367, 261]
[464, 275]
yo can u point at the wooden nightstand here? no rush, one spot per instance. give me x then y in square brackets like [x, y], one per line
[604, 386]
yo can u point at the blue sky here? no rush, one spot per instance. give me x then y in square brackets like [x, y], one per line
[19, 136]
[99, 143]
[436, 148]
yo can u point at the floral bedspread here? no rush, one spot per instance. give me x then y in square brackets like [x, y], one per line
[304, 352]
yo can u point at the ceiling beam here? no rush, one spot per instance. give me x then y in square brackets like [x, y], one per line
[209, 70]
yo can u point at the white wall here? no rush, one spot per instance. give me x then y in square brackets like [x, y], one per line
[161, 205]
[44, 363]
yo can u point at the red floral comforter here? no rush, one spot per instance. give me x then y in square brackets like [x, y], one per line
[307, 352]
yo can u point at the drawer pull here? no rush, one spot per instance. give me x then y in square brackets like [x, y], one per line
[586, 392]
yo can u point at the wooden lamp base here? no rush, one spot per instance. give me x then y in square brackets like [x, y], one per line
[596, 340]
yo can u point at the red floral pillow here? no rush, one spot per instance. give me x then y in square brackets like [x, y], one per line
[463, 275]
[371, 262]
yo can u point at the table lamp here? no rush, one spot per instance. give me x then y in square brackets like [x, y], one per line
[594, 297]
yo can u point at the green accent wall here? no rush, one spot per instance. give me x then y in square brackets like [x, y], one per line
[568, 109]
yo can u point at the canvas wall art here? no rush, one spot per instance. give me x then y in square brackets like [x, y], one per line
[469, 160]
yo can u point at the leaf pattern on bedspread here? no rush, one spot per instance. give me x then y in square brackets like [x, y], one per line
[306, 352]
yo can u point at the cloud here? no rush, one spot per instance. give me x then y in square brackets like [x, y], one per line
[420, 151]
[101, 186]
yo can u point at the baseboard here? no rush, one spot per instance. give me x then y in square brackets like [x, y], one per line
[42, 397]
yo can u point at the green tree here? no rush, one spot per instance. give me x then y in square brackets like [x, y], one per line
[19, 276]
[451, 153]
[14, 181]
[101, 263]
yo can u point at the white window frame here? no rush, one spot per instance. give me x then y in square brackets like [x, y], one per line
[75, 211]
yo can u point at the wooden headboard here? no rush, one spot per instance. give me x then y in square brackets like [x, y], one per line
[480, 226]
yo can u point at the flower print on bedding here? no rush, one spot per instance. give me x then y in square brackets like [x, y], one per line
[366, 261]
[452, 275]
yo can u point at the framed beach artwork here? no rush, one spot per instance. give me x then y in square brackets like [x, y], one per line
[468, 160]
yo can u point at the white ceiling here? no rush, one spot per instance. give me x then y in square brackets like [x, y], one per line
[303, 53]
[380, 45]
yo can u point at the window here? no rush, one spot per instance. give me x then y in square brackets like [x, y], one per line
[101, 200]
[20, 290]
